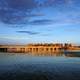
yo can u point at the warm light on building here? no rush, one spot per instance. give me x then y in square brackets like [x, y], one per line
[38, 48]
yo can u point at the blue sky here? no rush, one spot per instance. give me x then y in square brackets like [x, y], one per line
[33, 21]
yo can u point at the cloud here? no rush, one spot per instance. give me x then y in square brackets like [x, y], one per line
[41, 22]
[28, 32]
[16, 18]
[22, 11]
[17, 11]
[5, 40]
[69, 21]
[46, 3]
[55, 21]
[49, 3]
[21, 4]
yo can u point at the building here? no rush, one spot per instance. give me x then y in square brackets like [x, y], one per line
[38, 49]
[32, 48]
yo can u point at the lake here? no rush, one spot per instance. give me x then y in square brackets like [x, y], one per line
[26, 67]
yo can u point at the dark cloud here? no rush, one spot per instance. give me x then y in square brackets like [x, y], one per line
[45, 3]
[48, 3]
[20, 11]
[17, 11]
[56, 21]
[41, 22]
[28, 32]
[21, 4]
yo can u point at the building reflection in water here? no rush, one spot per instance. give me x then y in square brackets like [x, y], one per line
[47, 54]
[42, 49]
[72, 54]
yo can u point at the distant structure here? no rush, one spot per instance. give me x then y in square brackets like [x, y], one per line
[37, 49]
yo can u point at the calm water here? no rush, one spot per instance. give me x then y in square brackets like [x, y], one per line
[25, 67]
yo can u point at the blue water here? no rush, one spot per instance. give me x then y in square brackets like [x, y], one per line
[25, 67]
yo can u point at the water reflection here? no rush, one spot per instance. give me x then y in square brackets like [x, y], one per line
[47, 54]
[72, 54]
[43, 67]
[56, 54]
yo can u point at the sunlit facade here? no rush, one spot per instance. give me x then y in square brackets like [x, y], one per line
[38, 49]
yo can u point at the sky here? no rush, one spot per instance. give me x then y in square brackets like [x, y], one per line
[39, 21]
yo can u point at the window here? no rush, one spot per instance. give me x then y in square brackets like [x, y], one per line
[51, 49]
[54, 48]
[47, 49]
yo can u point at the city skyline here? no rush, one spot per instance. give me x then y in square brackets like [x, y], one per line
[39, 21]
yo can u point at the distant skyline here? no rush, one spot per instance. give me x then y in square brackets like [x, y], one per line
[39, 21]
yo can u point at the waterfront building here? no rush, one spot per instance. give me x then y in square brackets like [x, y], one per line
[38, 49]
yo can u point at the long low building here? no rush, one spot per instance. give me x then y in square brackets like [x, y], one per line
[31, 48]
[37, 48]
